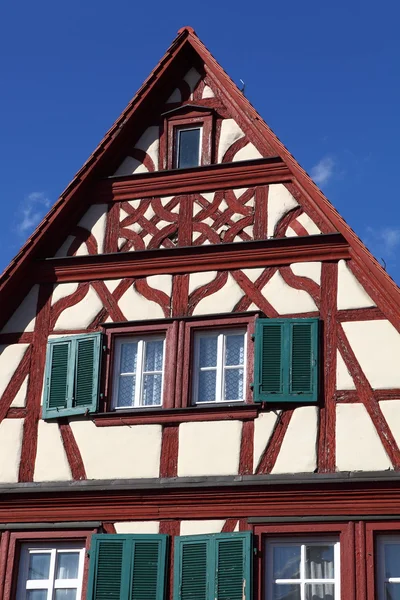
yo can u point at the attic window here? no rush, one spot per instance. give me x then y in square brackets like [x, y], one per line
[187, 147]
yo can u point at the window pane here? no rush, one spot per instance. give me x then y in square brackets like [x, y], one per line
[39, 565]
[208, 351]
[126, 390]
[128, 358]
[286, 592]
[65, 594]
[286, 562]
[319, 562]
[392, 560]
[36, 594]
[67, 565]
[152, 389]
[188, 148]
[392, 591]
[320, 591]
[207, 385]
[154, 355]
[234, 349]
[233, 384]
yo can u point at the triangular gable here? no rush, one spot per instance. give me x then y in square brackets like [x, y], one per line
[189, 63]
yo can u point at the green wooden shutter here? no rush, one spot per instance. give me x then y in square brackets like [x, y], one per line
[286, 360]
[191, 568]
[72, 375]
[87, 372]
[233, 566]
[127, 567]
[149, 563]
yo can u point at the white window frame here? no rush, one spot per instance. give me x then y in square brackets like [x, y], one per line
[220, 368]
[141, 340]
[381, 541]
[302, 581]
[177, 139]
[50, 584]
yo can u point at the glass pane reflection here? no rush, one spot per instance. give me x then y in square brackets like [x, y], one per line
[286, 592]
[67, 565]
[286, 562]
[39, 565]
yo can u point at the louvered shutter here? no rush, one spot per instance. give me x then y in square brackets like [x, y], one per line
[127, 567]
[233, 566]
[286, 360]
[72, 375]
[192, 568]
[87, 372]
[148, 572]
[303, 380]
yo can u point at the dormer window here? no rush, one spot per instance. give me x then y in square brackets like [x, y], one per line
[187, 147]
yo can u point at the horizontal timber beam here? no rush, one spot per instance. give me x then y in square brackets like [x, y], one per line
[192, 259]
[201, 179]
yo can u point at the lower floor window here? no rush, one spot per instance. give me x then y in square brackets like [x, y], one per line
[302, 569]
[388, 567]
[50, 572]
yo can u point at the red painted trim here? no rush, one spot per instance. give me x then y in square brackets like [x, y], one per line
[169, 451]
[186, 181]
[113, 299]
[112, 227]
[229, 526]
[301, 283]
[261, 253]
[72, 451]
[108, 300]
[260, 227]
[372, 530]
[234, 149]
[360, 561]
[180, 295]
[253, 294]
[4, 545]
[15, 383]
[366, 395]
[327, 412]
[16, 413]
[109, 527]
[38, 359]
[191, 118]
[286, 220]
[272, 449]
[246, 448]
[360, 314]
[66, 302]
[298, 227]
[245, 302]
[173, 529]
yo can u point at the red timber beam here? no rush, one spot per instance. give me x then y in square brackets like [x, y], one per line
[143, 263]
[185, 181]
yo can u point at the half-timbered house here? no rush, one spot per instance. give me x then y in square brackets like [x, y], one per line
[199, 371]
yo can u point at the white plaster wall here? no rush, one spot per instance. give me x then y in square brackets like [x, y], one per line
[136, 307]
[129, 166]
[230, 133]
[376, 345]
[280, 201]
[358, 447]
[10, 357]
[247, 153]
[23, 319]
[391, 412]
[253, 274]
[61, 290]
[263, 427]
[196, 280]
[149, 143]
[209, 448]
[161, 282]
[312, 270]
[20, 397]
[94, 220]
[202, 527]
[222, 301]
[192, 78]
[137, 527]
[207, 92]
[118, 452]
[344, 380]
[308, 224]
[112, 284]
[298, 453]
[285, 299]
[10, 449]
[80, 315]
[51, 460]
[351, 293]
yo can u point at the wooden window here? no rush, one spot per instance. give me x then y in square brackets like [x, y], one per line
[72, 375]
[51, 571]
[302, 569]
[138, 371]
[213, 567]
[188, 138]
[388, 566]
[286, 360]
[127, 567]
[219, 370]
[187, 149]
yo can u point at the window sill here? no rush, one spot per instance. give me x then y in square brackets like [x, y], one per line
[226, 412]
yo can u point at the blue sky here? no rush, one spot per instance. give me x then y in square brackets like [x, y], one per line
[324, 75]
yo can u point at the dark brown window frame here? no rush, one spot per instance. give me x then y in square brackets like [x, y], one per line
[185, 118]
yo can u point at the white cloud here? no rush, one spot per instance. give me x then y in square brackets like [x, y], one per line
[31, 211]
[323, 170]
[384, 241]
